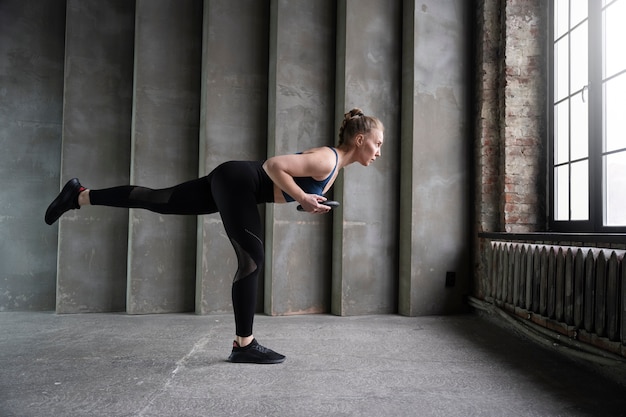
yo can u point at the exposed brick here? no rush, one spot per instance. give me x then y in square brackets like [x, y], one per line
[510, 119]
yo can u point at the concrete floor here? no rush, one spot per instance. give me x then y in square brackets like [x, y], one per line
[174, 365]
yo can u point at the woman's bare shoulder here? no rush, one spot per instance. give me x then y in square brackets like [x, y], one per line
[321, 150]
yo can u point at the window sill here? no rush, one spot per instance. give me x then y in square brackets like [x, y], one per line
[619, 238]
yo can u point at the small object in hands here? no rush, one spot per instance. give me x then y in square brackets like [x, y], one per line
[330, 203]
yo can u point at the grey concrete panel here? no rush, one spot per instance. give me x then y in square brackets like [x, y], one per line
[302, 73]
[365, 260]
[435, 143]
[96, 148]
[233, 126]
[166, 117]
[31, 103]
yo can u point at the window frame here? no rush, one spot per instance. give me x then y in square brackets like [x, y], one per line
[595, 128]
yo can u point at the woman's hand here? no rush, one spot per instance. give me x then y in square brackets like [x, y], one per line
[313, 203]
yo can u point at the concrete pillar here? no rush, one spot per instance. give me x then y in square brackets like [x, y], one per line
[365, 246]
[166, 113]
[31, 103]
[233, 125]
[301, 97]
[436, 139]
[96, 148]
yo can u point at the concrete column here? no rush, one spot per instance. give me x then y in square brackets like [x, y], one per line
[96, 148]
[436, 139]
[302, 66]
[31, 103]
[365, 247]
[166, 117]
[233, 125]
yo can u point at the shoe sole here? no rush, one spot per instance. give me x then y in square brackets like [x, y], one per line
[259, 363]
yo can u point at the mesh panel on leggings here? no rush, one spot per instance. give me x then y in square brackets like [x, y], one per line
[246, 264]
[148, 197]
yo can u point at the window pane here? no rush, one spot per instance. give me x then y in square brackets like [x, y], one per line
[561, 193]
[561, 134]
[561, 69]
[615, 190]
[614, 36]
[579, 65]
[561, 17]
[579, 11]
[615, 113]
[580, 130]
[580, 191]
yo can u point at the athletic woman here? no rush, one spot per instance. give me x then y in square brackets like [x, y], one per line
[234, 189]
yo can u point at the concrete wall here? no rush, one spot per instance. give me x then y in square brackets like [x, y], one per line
[97, 111]
[365, 270]
[166, 117]
[436, 139]
[266, 77]
[31, 101]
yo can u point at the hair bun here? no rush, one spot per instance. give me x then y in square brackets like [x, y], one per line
[355, 122]
[356, 112]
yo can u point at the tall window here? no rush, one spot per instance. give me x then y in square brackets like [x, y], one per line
[588, 117]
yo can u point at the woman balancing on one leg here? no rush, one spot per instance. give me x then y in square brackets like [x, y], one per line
[234, 189]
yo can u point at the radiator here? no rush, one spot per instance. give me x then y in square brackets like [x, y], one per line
[582, 289]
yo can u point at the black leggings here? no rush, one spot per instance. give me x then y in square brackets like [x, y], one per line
[233, 189]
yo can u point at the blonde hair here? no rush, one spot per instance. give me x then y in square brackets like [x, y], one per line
[355, 122]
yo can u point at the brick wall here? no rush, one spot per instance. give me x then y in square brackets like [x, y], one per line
[524, 116]
[488, 58]
[511, 119]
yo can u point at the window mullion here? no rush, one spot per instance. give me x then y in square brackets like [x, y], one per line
[596, 197]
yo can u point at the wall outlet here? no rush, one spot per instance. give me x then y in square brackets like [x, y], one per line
[450, 278]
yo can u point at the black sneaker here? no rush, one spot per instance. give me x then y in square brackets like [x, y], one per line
[66, 200]
[254, 353]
